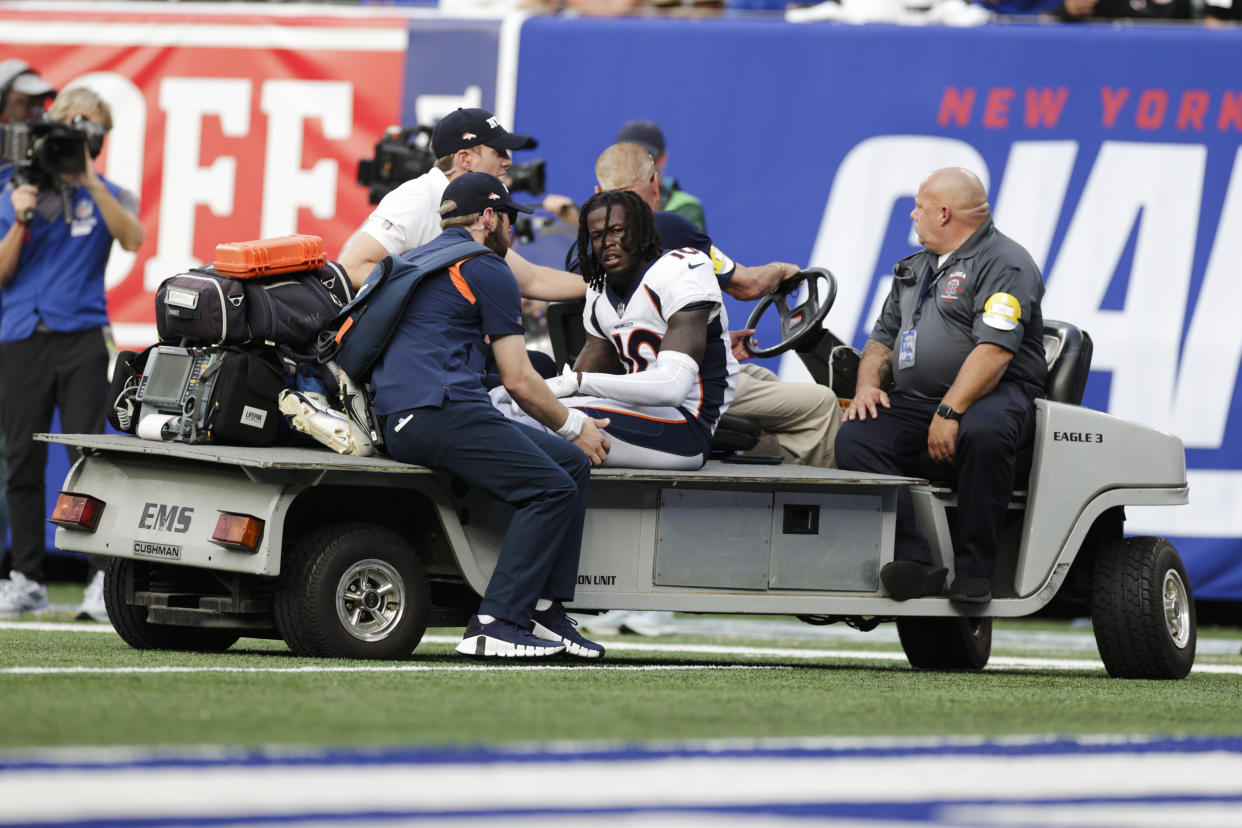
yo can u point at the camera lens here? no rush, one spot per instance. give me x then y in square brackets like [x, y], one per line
[61, 154]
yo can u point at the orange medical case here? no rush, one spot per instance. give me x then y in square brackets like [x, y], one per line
[268, 257]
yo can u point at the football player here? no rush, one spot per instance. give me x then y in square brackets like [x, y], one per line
[657, 362]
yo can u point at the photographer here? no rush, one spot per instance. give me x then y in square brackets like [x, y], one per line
[58, 218]
[23, 95]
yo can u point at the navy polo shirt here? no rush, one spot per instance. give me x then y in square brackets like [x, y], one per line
[437, 352]
[988, 290]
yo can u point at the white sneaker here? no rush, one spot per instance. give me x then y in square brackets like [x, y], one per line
[93, 608]
[358, 408]
[649, 623]
[311, 415]
[22, 596]
[607, 624]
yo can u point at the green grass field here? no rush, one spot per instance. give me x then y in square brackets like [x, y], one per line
[72, 686]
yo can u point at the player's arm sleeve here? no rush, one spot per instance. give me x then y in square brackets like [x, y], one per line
[1003, 302]
[667, 381]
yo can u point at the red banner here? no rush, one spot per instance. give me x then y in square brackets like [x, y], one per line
[228, 126]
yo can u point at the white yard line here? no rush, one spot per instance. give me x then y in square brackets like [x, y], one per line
[613, 645]
[385, 668]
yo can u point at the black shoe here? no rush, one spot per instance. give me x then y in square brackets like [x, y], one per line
[966, 590]
[904, 580]
[555, 625]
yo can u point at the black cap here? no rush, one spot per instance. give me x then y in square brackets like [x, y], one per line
[467, 128]
[474, 192]
[644, 133]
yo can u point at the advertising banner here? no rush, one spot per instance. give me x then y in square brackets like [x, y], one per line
[1111, 153]
[230, 124]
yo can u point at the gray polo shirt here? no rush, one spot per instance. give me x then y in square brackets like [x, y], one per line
[988, 290]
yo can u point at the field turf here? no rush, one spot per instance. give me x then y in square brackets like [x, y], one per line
[67, 684]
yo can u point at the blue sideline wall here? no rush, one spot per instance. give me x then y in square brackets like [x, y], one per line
[1111, 152]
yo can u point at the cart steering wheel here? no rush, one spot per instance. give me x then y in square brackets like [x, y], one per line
[800, 321]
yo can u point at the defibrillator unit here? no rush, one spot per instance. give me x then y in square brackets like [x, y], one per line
[210, 395]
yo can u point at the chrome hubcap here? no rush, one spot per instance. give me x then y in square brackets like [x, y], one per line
[370, 600]
[1176, 608]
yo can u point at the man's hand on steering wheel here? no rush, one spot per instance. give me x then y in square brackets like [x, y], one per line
[803, 319]
[737, 341]
[791, 277]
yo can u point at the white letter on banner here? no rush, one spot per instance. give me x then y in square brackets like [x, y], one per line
[185, 102]
[1163, 183]
[872, 177]
[1032, 193]
[125, 145]
[286, 185]
[1208, 374]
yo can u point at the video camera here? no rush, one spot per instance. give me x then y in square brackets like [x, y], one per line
[42, 151]
[401, 154]
[404, 153]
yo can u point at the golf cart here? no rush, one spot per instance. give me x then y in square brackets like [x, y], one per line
[354, 557]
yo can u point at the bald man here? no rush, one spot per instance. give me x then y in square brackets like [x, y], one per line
[959, 345]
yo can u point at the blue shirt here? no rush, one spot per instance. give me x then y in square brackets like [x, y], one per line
[437, 352]
[60, 270]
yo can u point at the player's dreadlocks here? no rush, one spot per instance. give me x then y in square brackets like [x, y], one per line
[640, 234]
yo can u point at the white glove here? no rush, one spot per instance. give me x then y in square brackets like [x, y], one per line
[566, 385]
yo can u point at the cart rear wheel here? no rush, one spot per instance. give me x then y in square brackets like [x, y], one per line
[352, 590]
[131, 622]
[1142, 610]
[946, 643]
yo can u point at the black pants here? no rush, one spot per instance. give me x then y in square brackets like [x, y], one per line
[991, 435]
[48, 371]
[544, 477]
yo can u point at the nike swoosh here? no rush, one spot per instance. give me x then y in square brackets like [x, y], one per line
[401, 423]
[696, 264]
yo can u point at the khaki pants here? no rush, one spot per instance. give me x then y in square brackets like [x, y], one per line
[802, 416]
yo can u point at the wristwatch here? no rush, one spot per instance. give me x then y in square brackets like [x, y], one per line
[944, 410]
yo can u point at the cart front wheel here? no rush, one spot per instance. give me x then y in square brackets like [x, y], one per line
[946, 643]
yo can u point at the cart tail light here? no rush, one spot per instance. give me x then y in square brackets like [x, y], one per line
[77, 511]
[239, 532]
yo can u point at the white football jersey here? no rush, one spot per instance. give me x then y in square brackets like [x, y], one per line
[636, 324]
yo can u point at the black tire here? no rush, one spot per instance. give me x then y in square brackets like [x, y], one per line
[331, 578]
[1142, 610]
[131, 623]
[946, 643]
